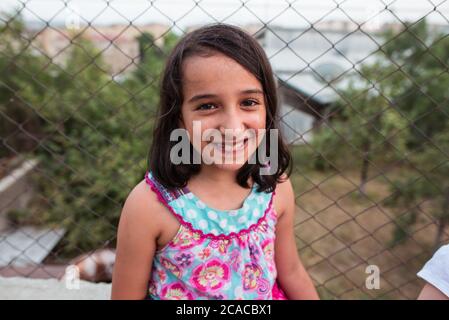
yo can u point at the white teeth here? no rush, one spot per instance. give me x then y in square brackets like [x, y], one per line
[229, 148]
[239, 146]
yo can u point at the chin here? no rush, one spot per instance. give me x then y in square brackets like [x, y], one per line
[229, 167]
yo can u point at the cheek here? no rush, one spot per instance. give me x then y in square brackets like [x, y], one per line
[187, 123]
[257, 120]
[198, 130]
[203, 124]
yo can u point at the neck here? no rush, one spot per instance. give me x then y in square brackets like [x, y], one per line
[217, 176]
[220, 178]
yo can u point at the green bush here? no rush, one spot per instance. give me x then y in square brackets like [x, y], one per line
[94, 141]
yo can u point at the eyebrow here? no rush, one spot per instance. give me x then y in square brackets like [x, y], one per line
[210, 95]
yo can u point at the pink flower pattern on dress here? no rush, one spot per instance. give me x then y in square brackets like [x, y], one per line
[221, 245]
[235, 260]
[210, 276]
[204, 254]
[201, 265]
[184, 259]
[251, 275]
[162, 275]
[152, 288]
[167, 264]
[242, 240]
[187, 239]
[268, 252]
[176, 291]
[263, 226]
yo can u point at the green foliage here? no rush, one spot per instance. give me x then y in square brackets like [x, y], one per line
[428, 182]
[95, 149]
[324, 144]
[396, 107]
[403, 227]
[143, 83]
[95, 134]
[420, 86]
[25, 77]
[367, 126]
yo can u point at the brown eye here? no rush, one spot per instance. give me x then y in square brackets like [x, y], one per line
[252, 103]
[206, 106]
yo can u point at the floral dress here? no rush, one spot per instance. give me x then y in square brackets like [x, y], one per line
[216, 254]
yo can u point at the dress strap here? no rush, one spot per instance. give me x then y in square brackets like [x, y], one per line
[164, 194]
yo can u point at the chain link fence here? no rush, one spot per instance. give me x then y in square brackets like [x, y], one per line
[363, 106]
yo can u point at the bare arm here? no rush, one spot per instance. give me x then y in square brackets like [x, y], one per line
[429, 292]
[292, 276]
[136, 244]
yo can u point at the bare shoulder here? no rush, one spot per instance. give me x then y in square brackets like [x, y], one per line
[285, 197]
[138, 230]
[141, 210]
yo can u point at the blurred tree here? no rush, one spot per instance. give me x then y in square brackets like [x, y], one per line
[143, 82]
[95, 133]
[414, 67]
[428, 183]
[366, 123]
[415, 62]
[25, 75]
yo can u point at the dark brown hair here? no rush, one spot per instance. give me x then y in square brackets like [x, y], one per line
[245, 50]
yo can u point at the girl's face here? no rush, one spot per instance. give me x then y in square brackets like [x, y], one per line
[221, 95]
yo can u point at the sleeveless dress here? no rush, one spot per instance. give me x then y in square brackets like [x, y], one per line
[216, 254]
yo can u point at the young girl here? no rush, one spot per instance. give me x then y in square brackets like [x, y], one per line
[212, 230]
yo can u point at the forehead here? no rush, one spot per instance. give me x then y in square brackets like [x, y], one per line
[215, 74]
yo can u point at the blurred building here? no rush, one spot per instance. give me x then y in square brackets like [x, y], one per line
[310, 65]
[118, 43]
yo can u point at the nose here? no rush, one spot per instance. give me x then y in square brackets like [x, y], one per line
[233, 123]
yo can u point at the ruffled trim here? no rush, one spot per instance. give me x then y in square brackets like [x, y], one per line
[204, 235]
[277, 293]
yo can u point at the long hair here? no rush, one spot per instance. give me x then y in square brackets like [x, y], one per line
[245, 50]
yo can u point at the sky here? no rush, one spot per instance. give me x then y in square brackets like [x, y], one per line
[182, 13]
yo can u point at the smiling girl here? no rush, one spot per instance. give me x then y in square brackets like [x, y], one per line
[220, 230]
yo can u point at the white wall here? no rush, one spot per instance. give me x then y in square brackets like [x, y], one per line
[17, 288]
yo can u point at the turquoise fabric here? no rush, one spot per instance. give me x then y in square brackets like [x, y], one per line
[216, 254]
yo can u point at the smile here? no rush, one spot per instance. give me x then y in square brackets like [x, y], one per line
[230, 148]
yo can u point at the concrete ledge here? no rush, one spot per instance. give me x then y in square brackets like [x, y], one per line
[17, 288]
[16, 191]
